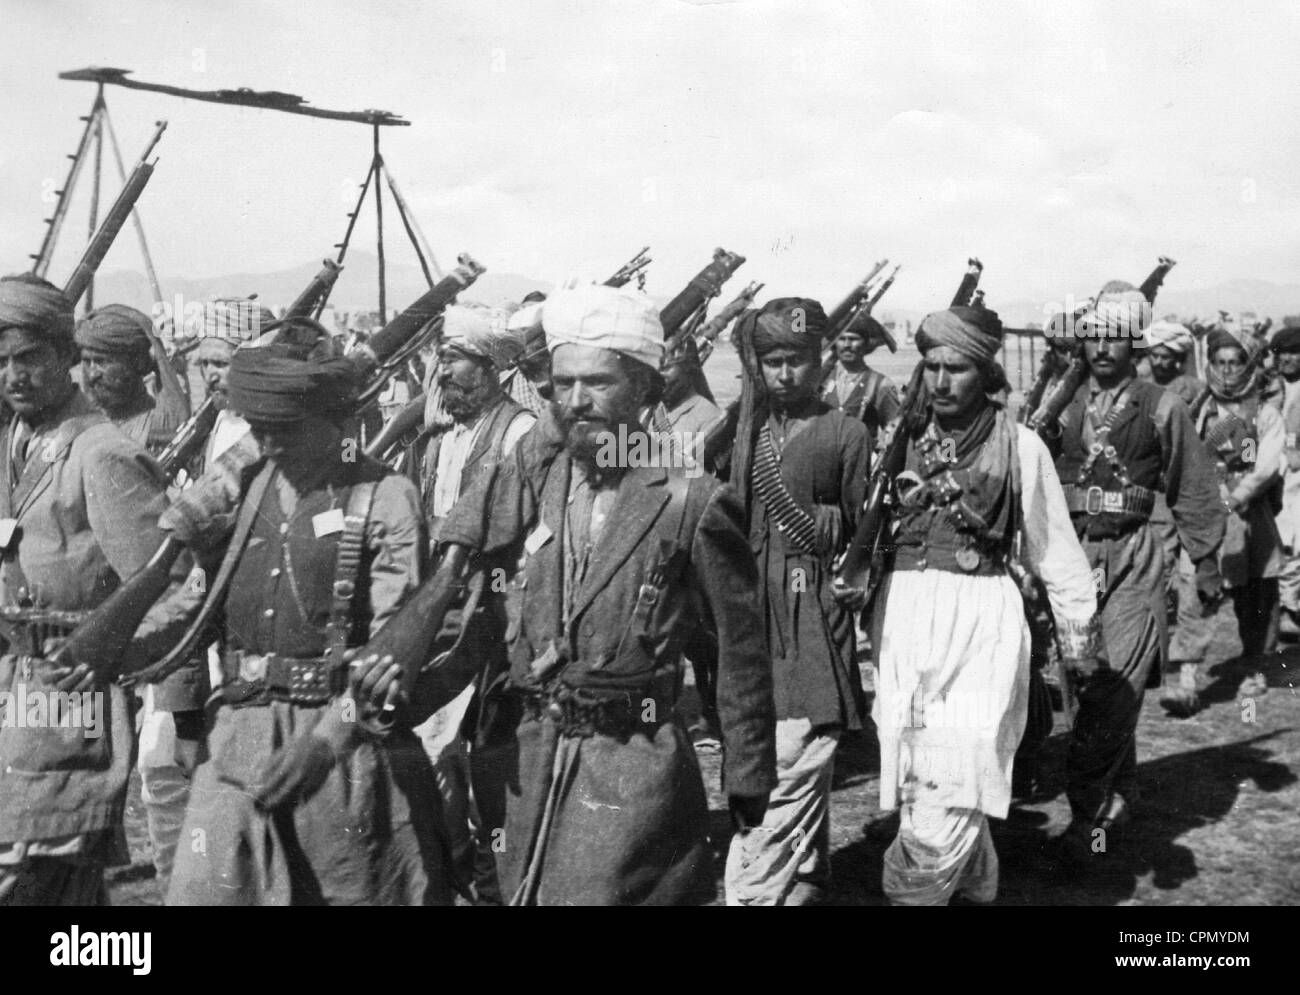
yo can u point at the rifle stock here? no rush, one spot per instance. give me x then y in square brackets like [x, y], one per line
[704, 285]
[847, 308]
[969, 281]
[1151, 285]
[203, 515]
[855, 569]
[117, 216]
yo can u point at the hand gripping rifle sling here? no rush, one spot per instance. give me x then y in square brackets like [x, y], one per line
[203, 516]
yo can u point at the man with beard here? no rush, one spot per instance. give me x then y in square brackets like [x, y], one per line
[1286, 360]
[79, 504]
[323, 551]
[1120, 440]
[803, 467]
[227, 322]
[1168, 352]
[486, 426]
[1244, 437]
[600, 792]
[529, 380]
[851, 386]
[953, 675]
[118, 350]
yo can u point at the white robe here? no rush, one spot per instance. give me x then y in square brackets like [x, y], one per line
[952, 675]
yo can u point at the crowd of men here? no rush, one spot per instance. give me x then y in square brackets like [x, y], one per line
[539, 756]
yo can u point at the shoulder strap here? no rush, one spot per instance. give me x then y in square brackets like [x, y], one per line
[794, 522]
[180, 653]
[347, 567]
[870, 387]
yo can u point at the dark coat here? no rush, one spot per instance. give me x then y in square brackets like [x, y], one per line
[628, 816]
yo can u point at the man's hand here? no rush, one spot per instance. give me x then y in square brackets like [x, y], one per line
[374, 681]
[747, 811]
[850, 598]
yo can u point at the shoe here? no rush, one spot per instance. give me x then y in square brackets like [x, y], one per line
[1180, 702]
[1254, 686]
[1068, 856]
[882, 829]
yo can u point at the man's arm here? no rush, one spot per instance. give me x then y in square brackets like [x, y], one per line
[395, 536]
[124, 496]
[1267, 468]
[1191, 487]
[726, 576]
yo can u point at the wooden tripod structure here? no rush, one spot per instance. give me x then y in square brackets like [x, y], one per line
[90, 148]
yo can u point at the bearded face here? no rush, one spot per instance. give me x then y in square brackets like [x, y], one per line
[114, 381]
[468, 383]
[596, 391]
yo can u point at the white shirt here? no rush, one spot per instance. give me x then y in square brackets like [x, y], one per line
[456, 446]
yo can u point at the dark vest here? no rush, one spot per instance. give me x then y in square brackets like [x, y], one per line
[279, 596]
[1137, 446]
[487, 449]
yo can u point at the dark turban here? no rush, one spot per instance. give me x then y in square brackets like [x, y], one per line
[686, 354]
[29, 302]
[790, 323]
[115, 328]
[871, 331]
[1221, 338]
[1287, 339]
[291, 372]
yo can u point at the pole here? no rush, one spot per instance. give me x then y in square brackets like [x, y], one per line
[135, 214]
[94, 187]
[418, 241]
[376, 166]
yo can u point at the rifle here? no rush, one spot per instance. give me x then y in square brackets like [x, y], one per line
[203, 515]
[880, 292]
[1034, 413]
[402, 429]
[192, 435]
[634, 267]
[113, 221]
[869, 538]
[1151, 285]
[846, 309]
[969, 281]
[716, 325]
[704, 286]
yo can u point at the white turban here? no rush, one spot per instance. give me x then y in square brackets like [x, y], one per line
[471, 331]
[1120, 311]
[1173, 336]
[608, 318]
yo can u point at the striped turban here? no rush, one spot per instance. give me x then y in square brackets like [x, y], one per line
[476, 333]
[292, 371]
[234, 319]
[1170, 334]
[624, 321]
[1121, 311]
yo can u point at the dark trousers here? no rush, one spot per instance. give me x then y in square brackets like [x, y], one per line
[1102, 756]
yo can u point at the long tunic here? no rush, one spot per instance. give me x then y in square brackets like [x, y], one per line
[823, 464]
[600, 819]
[87, 506]
[952, 678]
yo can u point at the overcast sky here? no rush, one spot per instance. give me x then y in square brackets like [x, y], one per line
[1064, 143]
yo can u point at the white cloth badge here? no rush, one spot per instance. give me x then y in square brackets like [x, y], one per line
[537, 538]
[1099, 578]
[7, 527]
[327, 522]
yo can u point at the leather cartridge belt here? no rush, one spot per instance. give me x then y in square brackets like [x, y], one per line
[299, 680]
[580, 713]
[954, 559]
[26, 629]
[1131, 500]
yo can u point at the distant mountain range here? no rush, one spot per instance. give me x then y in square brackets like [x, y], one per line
[357, 290]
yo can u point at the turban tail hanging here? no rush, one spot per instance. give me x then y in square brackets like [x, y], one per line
[115, 328]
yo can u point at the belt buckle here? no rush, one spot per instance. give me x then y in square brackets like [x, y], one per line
[307, 679]
[1113, 501]
[252, 667]
[1093, 500]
